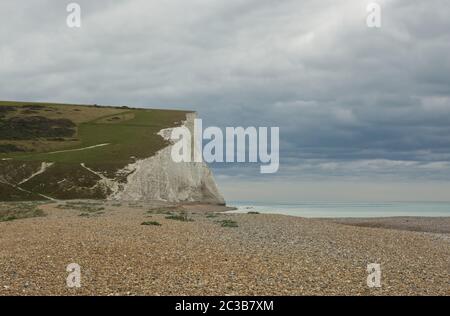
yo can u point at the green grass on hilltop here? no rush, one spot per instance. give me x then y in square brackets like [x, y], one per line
[129, 133]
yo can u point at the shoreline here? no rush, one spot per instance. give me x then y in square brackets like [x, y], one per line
[348, 209]
[203, 250]
[439, 225]
[431, 224]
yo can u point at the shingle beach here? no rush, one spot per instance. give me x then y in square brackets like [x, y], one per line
[197, 250]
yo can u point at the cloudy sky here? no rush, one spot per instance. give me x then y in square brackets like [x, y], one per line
[364, 113]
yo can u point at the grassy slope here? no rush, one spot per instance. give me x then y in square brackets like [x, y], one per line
[9, 193]
[134, 134]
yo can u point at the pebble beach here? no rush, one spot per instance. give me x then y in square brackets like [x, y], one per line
[148, 249]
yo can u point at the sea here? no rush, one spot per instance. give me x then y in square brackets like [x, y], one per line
[345, 209]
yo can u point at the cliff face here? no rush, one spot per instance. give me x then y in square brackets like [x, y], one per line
[160, 178]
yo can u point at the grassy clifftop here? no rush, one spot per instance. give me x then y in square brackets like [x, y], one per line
[73, 140]
[53, 132]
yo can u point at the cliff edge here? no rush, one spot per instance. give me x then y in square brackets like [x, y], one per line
[160, 178]
[63, 152]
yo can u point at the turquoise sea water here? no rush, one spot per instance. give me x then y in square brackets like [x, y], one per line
[346, 209]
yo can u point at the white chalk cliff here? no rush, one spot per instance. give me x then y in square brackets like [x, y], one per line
[160, 178]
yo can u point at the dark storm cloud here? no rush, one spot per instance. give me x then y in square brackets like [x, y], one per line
[349, 100]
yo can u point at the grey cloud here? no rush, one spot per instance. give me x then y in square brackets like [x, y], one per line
[340, 92]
